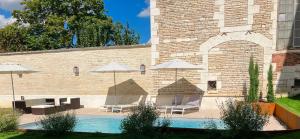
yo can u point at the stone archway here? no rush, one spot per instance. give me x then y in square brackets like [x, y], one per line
[255, 38]
[228, 65]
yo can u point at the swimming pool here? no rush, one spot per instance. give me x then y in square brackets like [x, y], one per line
[111, 124]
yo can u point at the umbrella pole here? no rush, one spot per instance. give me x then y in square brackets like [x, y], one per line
[176, 86]
[13, 90]
[115, 88]
[176, 76]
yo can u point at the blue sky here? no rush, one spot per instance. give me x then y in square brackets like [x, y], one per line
[135, 12]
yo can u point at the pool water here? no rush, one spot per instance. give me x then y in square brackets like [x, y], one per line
[111, 124]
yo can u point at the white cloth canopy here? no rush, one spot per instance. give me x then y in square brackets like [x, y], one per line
[176, 64]
[114, 67]
[11, 68]
[8, 68]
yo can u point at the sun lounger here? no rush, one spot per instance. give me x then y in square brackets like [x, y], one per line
[163, 109]
[121, 108]
[183, 108]
[106, 107]
[168, 107]
[193, 103]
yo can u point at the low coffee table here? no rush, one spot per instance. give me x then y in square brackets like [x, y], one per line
[43, 109]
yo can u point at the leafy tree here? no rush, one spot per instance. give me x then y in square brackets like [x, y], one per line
[130, 37]
[254, 81]
[124, 35]
[42, 25]
[270, 94]
[118, 34]
[12, 38]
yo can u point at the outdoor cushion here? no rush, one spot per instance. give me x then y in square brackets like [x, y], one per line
[34, 102]
[193, 103]
[177, 99]
[42, 106]
[193, 100]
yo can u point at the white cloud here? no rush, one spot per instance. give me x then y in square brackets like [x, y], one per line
[146, 11]
[6, 21]
[10, 5]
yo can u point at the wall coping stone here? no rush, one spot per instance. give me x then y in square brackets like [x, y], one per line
[287, 51]
[76, 49]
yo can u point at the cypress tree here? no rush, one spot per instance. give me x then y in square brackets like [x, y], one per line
[256, 74]
[254, 81]
[250, 70]
[270, 94]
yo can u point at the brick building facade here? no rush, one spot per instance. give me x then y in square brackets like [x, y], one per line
[221, 36]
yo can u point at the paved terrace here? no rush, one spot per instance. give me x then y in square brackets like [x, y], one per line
[273, 124]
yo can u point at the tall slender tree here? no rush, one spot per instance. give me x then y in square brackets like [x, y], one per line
[254, 81]
[256, 75]
[270, 94]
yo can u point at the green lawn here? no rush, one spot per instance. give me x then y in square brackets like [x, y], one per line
[292, 104]
[37, 135]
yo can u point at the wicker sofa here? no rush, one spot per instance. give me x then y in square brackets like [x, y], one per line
[24, 106]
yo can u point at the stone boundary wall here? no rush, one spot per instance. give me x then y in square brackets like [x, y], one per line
[55, 77]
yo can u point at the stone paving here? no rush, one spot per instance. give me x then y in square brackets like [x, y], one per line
[273, 124]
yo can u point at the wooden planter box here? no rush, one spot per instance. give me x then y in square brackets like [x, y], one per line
[267, 108]
[290, 119]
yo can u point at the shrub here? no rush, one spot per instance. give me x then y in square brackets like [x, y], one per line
[58, 123]
[143, 122]
[242, 117]
[210, 124]
[211, 129]
[8, 120]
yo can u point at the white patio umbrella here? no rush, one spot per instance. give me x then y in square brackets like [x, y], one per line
[176, 64]
[11, 68]
[114, 67]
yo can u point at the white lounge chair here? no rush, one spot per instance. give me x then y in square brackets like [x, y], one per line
[106, 107]
[121, 107]
[164, 108]
[193, 103]
[183, 108]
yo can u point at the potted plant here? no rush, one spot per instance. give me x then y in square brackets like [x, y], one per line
[268, 106]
